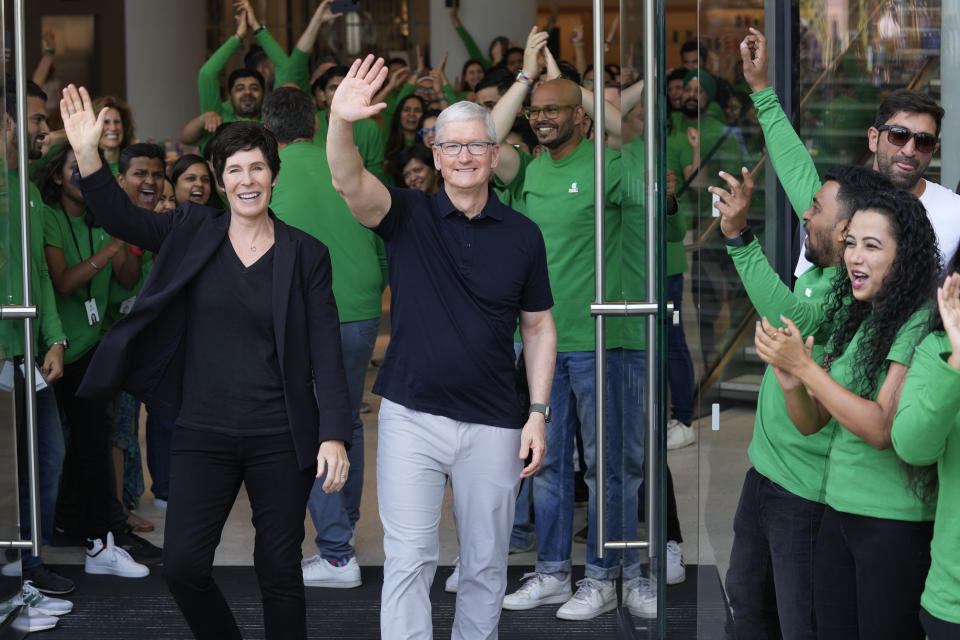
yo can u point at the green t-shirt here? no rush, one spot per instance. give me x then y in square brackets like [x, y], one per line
[927, 430]
[60, 230]
[367, 136]
[305, 198]
[727, 157]
[863, 480]
[633, 272]
[11, 275]
[778, 451]
[559, 197]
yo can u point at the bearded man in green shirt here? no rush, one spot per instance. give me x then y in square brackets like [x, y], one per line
[782, 499]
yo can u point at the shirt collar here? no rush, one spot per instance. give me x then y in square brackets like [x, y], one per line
[444, 208]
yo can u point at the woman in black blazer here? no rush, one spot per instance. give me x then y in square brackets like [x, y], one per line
[235, 333]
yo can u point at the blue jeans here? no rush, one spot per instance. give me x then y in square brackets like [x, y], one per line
[573, 399]
[679, 364]
[50, 452]
[334, 514]
[159, 437]
[770, 580]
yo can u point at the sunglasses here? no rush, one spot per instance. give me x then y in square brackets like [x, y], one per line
[899, 136]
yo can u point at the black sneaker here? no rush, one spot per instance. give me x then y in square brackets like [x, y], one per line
[48, 581]
[140, 549]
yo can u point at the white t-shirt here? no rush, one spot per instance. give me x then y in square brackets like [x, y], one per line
[943, 210]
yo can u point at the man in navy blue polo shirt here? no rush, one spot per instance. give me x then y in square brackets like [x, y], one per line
[463, 268]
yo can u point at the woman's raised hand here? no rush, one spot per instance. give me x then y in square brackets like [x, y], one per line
[82, 126]
[352, 100]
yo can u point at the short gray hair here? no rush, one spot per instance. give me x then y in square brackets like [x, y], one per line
[462, 111]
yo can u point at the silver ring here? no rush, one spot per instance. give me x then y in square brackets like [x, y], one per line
[343, 476]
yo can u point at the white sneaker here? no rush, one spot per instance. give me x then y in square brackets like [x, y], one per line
[31, 620]
[317, 572]
[109, 559]
[538, 589]
[676, 571]
[640, 597]
[44, 604]
[592, 598]
[679, 435]
[453, 582]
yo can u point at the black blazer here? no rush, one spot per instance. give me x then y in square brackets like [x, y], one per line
[143, 353]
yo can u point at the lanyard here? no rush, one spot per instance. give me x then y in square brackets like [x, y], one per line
[77, 245]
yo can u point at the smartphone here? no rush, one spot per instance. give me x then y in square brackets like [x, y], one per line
[344, 6]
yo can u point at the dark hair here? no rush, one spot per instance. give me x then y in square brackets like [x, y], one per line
[49, 189]
[396, 61]
[429, 113]
[693, 45]
[126, 116]
[607, 76]
[413, 152]
[504, 42]
[499, 78]
[463, 72]
[395, 139]
[139, 150]
[245, 73]
[180, 167]
[33, 91]
[324, 79]
[254, 57]
[522, 126]
[288, 113]
[910, 101]
[511, 50]
[569, 72]
[909, 284]
[855, 183]
[680, 73]
[244, 136]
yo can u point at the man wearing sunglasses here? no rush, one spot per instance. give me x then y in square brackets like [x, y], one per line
[903, 139]
[464, 271]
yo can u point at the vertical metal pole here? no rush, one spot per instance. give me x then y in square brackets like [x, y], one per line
[20, 75]
[655, 203]
[599, 195]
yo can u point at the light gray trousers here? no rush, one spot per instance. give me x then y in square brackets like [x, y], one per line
[416, 452]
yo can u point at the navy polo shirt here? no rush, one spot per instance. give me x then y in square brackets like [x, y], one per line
[457, 287]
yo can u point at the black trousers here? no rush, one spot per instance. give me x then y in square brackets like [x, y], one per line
[938, 629]
[868, 577]
[88, 466]
[206, 471]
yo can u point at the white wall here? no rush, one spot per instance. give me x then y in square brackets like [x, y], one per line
[484, 19]
[165, 49]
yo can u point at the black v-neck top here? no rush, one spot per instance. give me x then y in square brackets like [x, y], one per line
[232, 382]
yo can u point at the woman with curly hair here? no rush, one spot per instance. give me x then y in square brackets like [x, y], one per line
[118, 131]
[873, 549]
[926, 431]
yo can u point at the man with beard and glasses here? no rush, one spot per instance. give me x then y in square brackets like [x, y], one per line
[782, 499]
[903, 138]
[556, 190]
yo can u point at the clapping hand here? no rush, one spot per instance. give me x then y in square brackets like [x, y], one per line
[948, 301]
[352, 100]
[783, 349]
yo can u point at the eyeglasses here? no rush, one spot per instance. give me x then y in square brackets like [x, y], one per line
[899, 136]
[425, 131]
[550, 111]
[453, 148]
